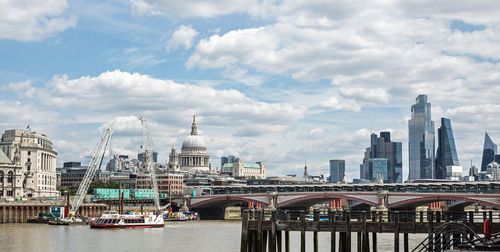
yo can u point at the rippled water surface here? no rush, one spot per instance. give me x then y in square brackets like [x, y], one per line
[210, 236]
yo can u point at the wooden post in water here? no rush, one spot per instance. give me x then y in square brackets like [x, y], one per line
[287, 233]
[348, 233]
[316, 229]
[244, 231]
[374, 242]
[279, 241]
[430, 230]
[264, 240]
[331, 217]
[396, 231]
[272, 241]
[302, 232]
[364, 236]
[259, 230]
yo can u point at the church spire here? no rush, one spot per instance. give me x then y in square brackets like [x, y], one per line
[194, 129]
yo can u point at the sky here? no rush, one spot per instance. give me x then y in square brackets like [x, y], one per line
[282, 82]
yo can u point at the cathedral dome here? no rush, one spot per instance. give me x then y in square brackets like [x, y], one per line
[194, 141]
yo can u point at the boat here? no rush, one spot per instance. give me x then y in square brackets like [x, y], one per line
[41, 218]
[68, 221]
[112, 219]
[181, 216]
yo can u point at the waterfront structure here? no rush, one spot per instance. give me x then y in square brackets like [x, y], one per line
[421, 144]
[239, 169]
[489, 151]
[172, 183]
[446, 156]
[383, 147]
[33, 153]
[194, 156]
[337, 171]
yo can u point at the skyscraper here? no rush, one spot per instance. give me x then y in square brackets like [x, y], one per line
[382, 148]
[337, 171]
[421, 140]
[446, 152]
[489, 151]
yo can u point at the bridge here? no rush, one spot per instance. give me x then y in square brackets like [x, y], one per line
[451, 196]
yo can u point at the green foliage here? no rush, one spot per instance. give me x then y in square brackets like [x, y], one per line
[102, 184]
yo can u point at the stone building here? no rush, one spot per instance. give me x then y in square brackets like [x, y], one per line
[239, 169]
[33, 154]
[194, 156]
[10, 178]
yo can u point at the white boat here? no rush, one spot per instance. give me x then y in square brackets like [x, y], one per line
[112, 219]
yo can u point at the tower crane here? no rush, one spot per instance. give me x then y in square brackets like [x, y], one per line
[95, 163]
[148, 156]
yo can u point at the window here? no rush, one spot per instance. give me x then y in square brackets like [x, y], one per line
[29, 160]
[9, 193]
[29, 153]
[10, 178]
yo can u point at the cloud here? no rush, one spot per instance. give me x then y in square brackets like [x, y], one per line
[339, 103]
[182, 36]
[34, 20]
[191, 8]
[377, 95]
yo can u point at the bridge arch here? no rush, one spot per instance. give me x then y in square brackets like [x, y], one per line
[419, 201]
[226, 200]
[317, 198]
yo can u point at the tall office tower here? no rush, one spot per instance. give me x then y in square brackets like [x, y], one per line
[489, 151]
[382, 148]
[446, 152]
[337, 171]
[421, 140]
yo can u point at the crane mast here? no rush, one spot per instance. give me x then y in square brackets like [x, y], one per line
[95, 164]
[148, 155]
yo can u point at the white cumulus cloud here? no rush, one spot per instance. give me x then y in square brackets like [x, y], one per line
[182, 36]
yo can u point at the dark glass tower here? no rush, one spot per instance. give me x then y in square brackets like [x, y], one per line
[489, 151]
[382, 148]
[337, 171]
[421, 140]
[446, 151]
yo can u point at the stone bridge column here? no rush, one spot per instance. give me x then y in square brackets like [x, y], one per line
[272, 199]
[383, 200]
[185, 202]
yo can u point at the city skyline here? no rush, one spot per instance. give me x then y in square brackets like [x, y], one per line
[266, 81]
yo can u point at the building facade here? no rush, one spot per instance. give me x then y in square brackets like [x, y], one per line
[383, 147]
[11, 178]
[194, 156]
[239, 169]
[489, 151]
[34, 154]
[337, 171]
[421, 144]
[446, 156]
[172, 183]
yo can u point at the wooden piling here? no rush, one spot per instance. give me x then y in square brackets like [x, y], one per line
[396, 231]
[316, 229]
[302, 232]
[272, 241]
[374, 242]
[244, 231]
[405, 241]
[259, 230]
[331, 217]
[287, 233]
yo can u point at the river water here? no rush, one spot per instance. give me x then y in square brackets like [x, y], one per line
[206, 236]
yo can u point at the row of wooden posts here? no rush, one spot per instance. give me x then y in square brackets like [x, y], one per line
[261, 232]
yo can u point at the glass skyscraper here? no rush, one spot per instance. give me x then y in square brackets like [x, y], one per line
[337, 171]
[421, 140]
[489, 151]
[382, 148]
[446, 151]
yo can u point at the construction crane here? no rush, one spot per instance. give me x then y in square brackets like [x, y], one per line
[148, 156]
[95, 163]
